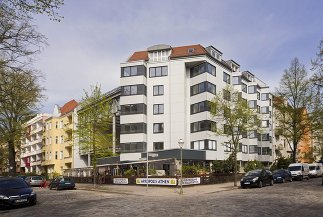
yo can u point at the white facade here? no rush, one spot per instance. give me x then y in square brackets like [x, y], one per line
[31, 145]
[157, 94]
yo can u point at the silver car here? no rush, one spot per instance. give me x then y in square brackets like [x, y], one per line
[35, 180]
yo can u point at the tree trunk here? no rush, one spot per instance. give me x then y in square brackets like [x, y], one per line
[12, 158]
[294, 152]
[235, 169]
[94, 158]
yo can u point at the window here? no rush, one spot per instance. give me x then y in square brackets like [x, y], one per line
[265, 123]
[236, 96]
[203, 87]
[158, 127]
[200, 107]
[244, 87]
[258, 95]
[252, 134]
[56, 140]
[158, 71]
[244, 148]
[158, 146]
[266, 151]
[253, 149]
[158, 109]
[50, 155]
[133, 128]
[61, 155]
[265, 96]
[252, 104]
[265, 110]
[226, 77]
[56, 153]
[50, 140]
[202, 68]
[56, 124]
[198, 145]
[205, 125]
[264, 137]
[133, 147]
[227, 147]
[226, 95]
[158, 90]
[61, 125]
[212, 145]
[236, 80]
[139, 89]
[133, 71]
[129, 109]
[46, 126]
[157, 56]
[252, 89]
[62, 140]
[50, 125]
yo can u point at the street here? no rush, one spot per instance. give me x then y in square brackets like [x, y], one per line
[298, 198]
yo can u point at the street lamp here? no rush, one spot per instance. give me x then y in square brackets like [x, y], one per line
[181, 143]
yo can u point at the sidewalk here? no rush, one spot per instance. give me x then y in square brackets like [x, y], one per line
[157, 191]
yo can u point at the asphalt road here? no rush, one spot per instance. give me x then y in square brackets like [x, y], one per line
[298, 198]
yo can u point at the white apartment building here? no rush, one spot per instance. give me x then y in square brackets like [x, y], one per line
[31, 145]
[164, 95]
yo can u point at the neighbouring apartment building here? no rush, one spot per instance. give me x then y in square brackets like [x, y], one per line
[164, 95]
[31, 145]
[57, 151]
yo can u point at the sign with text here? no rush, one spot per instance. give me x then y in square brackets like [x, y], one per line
[191, 181]
[156, 181]
[120, 181]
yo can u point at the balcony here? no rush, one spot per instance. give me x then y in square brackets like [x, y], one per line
[35, 163]
[37, 130]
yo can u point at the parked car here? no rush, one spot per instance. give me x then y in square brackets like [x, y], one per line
[299, 170]
[315, 169]
[62, 183]
[15, 191]
[282, 176]
[257, 178]
[22, 177]
[35, 180]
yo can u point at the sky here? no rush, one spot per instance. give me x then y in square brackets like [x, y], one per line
[95, 36]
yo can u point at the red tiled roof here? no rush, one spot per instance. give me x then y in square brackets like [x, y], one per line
[176, 52]
[68, 107]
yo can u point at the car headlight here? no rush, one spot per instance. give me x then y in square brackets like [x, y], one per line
[4, 197]
[32, 193]
[255, 179]
[241, 180]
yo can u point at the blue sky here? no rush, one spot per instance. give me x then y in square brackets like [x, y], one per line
[95, 36]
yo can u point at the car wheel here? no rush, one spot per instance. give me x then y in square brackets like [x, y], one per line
[260, 184]
[50, 187]
[283, 180]
[272, 182]
[291, 179]
[57, 188]
[33, 202]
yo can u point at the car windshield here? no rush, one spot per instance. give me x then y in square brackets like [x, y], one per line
[253, 173]
[12, 183]
[279, 172]
[312, 167]
[37, 178]
[294, 168]
[67, 179]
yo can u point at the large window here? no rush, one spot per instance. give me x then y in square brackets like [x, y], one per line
[253, 149]
[265, 96]
[133, 109]
[202, 68]
[158, 109]
[200, 107]
[265, 123]
[158, 71]
[133, 128]
[265, 110]
[266, 151]
[133, 71]
[252, 104]
[226, 78]
[158, 146]
[133, 147]
[243, 148]
[139, 89]
[204, 145]
[227, 147]
[236, 80]
[203, 87]
[158, 127]
[252, 89]
[158, 90]
[205, 125]
[244, 87]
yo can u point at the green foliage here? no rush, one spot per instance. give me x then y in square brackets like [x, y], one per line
[190, 170]
[130, 172]
[252, 165]
[152, 171]
[225, 166]
[281, 163]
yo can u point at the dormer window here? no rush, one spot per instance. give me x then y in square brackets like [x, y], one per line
[158, 56]
[191, 50]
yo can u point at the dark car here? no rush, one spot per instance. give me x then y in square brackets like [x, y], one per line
[282, 176]
[15, 191]
[257, 178]
[62, 183]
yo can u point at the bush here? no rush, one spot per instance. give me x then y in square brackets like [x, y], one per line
[281, 163]
[225, 166]
[130, 172]
[252, 165]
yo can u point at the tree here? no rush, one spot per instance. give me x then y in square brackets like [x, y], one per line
[281, 163]
[20, 94]
[94, 126]
[229, 109]
[252, 165]
[292, 98]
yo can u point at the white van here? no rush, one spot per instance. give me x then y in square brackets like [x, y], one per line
[315, 169]
[299, 171]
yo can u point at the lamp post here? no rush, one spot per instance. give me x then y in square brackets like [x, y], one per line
[181, 143]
